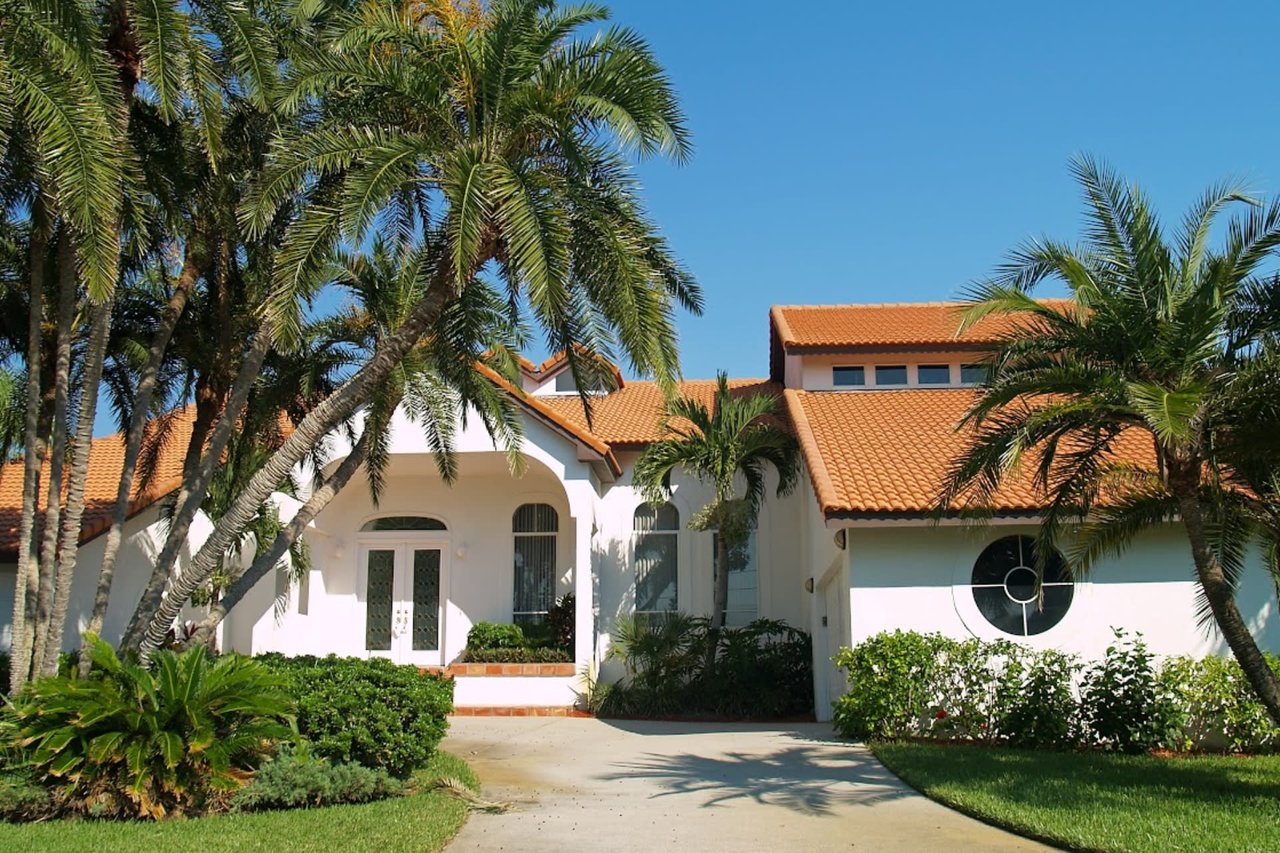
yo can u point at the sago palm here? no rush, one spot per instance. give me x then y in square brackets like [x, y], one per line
[501, 131]
[1149, 352]
[730, 444]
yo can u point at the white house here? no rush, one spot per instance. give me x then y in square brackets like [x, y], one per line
[873, 393]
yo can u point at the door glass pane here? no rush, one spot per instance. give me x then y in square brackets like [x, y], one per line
[426, 601]
[378, 600]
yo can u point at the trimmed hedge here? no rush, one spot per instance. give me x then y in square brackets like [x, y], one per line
[906, 684]
[530, 655]
[371, 712]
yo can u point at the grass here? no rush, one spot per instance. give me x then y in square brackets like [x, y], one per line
[1100, 801]
[424, 821]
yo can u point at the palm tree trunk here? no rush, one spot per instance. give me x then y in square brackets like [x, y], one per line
[45, 634]
[91, 378]
[194, 488]
[314, 427]
[26, 584]
[720, 601]
[192, 268]
[1185, 485]
[269, 558]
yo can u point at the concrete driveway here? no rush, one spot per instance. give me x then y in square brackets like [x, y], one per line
[596, 785]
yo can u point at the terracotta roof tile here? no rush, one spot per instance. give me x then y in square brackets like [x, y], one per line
[887, 325]
[633, 415]
[106, 460]
[887, 452]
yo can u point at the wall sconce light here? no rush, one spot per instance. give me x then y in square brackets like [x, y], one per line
[461, 553]
[808, 585]
[338, 553]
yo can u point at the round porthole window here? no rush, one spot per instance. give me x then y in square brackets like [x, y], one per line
[1004, 587]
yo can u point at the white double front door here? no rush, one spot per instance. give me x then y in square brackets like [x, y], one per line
[405, 587]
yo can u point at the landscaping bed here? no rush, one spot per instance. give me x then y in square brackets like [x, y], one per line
[1102, 801]
[425, 820]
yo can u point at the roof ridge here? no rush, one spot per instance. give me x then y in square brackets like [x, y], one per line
[934, 303]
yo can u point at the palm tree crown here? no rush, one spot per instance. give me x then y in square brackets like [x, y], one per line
[733, 441]
[1155, 342]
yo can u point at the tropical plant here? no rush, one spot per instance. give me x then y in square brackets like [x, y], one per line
[731, 443]
[1149, 352]
[502, 137]
[131, 741]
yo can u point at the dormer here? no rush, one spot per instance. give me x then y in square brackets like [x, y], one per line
[554, 376]
[879, 347]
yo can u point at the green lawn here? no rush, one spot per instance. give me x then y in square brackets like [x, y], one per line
[1096, 801]
[422, 822]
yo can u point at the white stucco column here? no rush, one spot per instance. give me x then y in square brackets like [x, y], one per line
[582, 500]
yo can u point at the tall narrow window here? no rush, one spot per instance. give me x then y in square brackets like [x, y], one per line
[534, 527]
[744, 595]
[657, 537]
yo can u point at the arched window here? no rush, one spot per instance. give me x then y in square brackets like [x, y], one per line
[1004, 587]
[656, 542]
[403, 522]
[534, 527]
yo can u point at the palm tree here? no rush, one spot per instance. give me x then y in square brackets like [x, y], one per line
[1150, 349]
[734, 442]
[502, 135]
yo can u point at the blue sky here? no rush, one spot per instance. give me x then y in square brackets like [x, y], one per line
[873, 152]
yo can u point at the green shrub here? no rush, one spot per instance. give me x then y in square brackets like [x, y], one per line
[905, 684]
[150, 743]
[890, 685]
[1126, 707]
[296, 779]
[1222, 712]
[22, 798]
[523, 655]
[372, 712]
[492, 635]
[1040, 708]
[760, 670]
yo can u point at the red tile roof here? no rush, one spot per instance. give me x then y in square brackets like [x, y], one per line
[633, 416]
[878, 453]
[106, 460]
[932, 324]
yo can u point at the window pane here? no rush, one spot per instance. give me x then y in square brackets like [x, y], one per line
[974, 374]
[535, 518]
[1004, 587]
[892, 375]
[378, 595]
[655, 564]
[404, 522]
[933, 374]
[649, 517]
[535, 577]
[426, 600]
[565, 383]
[848, 376]
[741, 606]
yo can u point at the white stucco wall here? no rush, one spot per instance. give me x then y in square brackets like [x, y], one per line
[917, 579]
